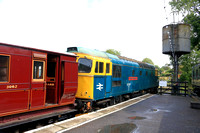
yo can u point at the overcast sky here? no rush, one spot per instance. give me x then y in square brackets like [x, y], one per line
[132, 27]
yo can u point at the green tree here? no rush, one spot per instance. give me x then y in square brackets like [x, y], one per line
[186, 6]
[191, 10]
[112, 51]
[194, 21]
[166, 67]
[157, 67]
[187, 62]
[147, 60]
[166, 71]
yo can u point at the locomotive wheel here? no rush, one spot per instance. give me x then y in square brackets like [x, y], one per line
[106, 104]
[79, 104]
[121, 99]
[112, 102]
[117, 99]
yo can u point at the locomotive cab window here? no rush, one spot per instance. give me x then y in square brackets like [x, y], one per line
[38, 70]
[4, 68]
[99, 68]
[96, 67]
[84, 65]
[107, 67]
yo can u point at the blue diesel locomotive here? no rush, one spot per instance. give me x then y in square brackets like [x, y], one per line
[106, 79]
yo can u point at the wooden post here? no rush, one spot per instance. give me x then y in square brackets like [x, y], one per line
[185, 89]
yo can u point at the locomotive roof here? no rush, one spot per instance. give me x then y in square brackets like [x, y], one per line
[141, 64]
[107, 55]
[92, 52]
[35, 49]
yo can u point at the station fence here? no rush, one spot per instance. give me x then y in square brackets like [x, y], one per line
[174, 88]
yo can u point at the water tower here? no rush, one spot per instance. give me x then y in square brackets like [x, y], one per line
[176, 42]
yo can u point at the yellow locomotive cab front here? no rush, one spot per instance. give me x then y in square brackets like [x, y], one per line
[87, 66]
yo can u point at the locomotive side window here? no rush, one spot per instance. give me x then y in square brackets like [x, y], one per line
[107, 67]
[38, 70]
[4, 68]
[140, 72]
[97, 66]
[116, 71]
[84, 65]
[133, 73]
[100, 67]
[116, 83]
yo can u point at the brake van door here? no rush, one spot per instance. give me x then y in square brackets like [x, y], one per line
[38, 88]
[69, 79]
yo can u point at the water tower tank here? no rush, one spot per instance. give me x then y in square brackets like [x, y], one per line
[179, 35]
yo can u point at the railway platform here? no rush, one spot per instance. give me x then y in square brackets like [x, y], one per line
[144, 114]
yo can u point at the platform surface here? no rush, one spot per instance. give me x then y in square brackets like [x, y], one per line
[156, 114]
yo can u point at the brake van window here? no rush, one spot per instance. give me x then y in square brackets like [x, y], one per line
[4, 68]
[84, 65]
[38, 70]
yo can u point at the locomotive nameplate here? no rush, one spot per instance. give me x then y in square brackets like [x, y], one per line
[133, 78]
